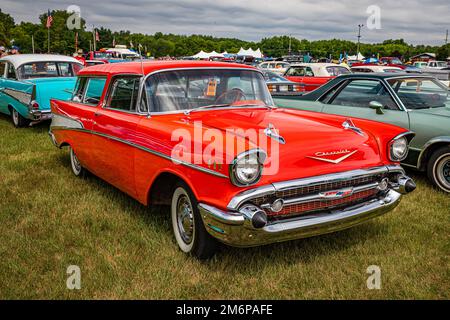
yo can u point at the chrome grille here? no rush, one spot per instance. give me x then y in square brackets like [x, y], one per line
[316, 205]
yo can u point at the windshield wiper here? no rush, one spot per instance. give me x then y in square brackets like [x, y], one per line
[188, 111]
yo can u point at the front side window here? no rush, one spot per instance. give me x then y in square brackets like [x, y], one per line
[124, 93]
[360, 93]
[421, 93]
[48, 70]
[188, 89]
[89, 90]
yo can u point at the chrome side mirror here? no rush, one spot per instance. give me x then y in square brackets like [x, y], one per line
[376, 106]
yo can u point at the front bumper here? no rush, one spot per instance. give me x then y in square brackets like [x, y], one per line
[40, 115]
[236, 227]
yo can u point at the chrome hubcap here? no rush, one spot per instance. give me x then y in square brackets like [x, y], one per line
[443, 170]
[185, 219]
[15, 116]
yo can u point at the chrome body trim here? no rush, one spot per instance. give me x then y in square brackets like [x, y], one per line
[236, 231]
[157, 153]
[247, 195]
[441, 139]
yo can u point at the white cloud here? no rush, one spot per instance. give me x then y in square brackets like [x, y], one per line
[417, 21]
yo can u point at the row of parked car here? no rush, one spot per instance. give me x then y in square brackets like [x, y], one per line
[234, 166]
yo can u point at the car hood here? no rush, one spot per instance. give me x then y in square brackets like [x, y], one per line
[53, 88]
[312, 145]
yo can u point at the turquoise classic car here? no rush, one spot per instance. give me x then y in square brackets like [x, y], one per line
[29, 81]
[418, 103]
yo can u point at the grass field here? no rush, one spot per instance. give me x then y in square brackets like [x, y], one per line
[49, 220]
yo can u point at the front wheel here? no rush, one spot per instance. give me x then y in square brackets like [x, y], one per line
[188, 228]
[438, 168]
[75, 164]
[17, 119]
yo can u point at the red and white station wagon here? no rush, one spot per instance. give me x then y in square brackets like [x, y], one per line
[206, 139]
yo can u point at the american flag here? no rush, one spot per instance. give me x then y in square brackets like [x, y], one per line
[97, 36]
[49, 19]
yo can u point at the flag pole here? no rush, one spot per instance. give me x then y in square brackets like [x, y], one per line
[48, 34]
[95, 40]
[32, 42]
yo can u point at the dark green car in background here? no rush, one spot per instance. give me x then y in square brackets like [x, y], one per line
[415, 102]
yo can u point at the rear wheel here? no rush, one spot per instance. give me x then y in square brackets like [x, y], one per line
[188, 228]
[75, 164]
[438, 168]
[18, 120]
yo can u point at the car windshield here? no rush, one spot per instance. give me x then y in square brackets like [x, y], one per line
[421, 93]
[274, 77]
[177, 90]
[48, 69]
[103, 55]
[337, 71]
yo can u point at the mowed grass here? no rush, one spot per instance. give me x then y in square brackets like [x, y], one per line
[49, 220]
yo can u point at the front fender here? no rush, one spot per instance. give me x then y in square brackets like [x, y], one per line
[428, 146]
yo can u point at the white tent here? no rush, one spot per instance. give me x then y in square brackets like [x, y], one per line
[250, 52]
[359, 57]
[201, 55]
[206, 55]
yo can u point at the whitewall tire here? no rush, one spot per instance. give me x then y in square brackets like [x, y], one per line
[189, 231]
[438, 168]
[75, 164]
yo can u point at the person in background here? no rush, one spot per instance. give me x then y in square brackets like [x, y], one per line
[79, 56]
[2, 51]
[14, 50]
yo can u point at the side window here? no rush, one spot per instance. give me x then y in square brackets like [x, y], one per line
[94, 90]
[11, 73]
[123, 93]
[264, 66]
[2, 69]
[309, 72]
[359, 93]
[296, 72]
[88, 90]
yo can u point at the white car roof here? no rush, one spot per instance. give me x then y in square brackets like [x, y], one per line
[377, 68]
[19, 59]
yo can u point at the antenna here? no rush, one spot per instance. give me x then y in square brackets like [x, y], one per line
[142, 60]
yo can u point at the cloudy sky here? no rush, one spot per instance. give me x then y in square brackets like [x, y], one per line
[417, 21]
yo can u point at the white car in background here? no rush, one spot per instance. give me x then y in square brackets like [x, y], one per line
[279, 67]
[371, 68]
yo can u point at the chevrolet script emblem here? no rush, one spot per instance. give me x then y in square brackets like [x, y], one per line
[325, 156]
[337, 194]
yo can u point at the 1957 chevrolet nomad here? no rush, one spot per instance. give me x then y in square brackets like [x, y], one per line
[206, 139]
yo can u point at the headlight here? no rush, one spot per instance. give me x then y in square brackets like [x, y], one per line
[247, 168]
[398, 149]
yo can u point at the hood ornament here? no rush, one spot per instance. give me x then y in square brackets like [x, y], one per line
[320, 156]
[271, 132]
[349, 125]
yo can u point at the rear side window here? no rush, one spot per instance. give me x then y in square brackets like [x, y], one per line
[89, 90]
[123, 94]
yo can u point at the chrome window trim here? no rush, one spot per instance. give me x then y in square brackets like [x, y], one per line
[249, 194]
[141, 89]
